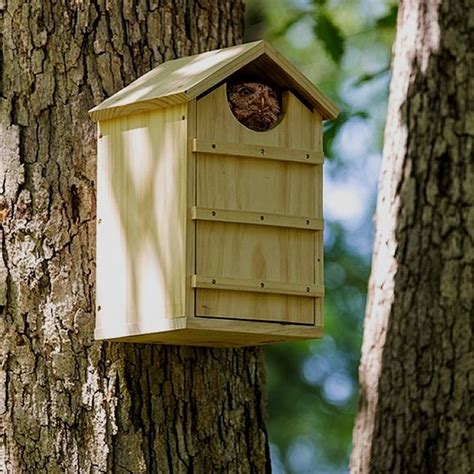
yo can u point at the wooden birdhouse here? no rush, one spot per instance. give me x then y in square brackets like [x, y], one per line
[208, 232]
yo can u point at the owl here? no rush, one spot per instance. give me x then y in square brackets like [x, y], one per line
[254, 104]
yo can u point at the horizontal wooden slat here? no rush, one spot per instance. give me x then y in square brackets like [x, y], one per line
[258, 151]
[261, 218]
[259, 286]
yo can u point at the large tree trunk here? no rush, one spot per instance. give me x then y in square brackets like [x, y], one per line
[417, 369]
[70, 404]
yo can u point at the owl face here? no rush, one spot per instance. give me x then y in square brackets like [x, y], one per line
[254, 104]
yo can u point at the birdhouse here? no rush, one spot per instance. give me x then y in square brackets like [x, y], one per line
[209, 232]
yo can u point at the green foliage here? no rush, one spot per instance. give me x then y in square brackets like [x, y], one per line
[367, 77]
[388, 20]
[330, 35]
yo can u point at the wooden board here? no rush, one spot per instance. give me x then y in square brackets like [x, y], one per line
[253, 252]
[263, 152]
[212, 332]
[249, 213]
[299, 128]
[254, 185]
[254, 307]
[309, 290]
[141, 212]
[257, 218]
[184, 79]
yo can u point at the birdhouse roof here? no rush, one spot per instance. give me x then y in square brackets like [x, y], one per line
[184, 79]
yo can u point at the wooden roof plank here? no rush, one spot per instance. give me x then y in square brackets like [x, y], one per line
[184, 79]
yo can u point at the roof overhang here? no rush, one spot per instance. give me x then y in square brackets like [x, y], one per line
[181, 80]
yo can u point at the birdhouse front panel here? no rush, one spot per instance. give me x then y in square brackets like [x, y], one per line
[209, 219]
[259, 214]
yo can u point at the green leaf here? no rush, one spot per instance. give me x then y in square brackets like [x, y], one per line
[293, 18]
[371, 76]
[389, 20]
[330, 36]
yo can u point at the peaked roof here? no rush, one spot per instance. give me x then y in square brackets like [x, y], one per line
[184, 79]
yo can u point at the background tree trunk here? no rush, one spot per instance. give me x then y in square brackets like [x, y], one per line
[70, 404]
[417, 369]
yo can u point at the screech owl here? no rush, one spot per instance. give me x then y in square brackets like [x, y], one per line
[254, 104]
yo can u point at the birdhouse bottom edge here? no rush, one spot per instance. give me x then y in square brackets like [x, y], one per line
[210, 332]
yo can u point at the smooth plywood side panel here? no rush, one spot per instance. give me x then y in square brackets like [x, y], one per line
[297, 128]
[251, 184]
[256, 307]
[112, 262]
[141, 238]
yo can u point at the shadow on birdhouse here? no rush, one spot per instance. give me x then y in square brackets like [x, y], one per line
[209, 192]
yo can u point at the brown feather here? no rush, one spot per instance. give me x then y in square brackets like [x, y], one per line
[254, 104]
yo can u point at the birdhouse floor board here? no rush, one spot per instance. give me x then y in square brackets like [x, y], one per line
[214, 333]
[257, 218]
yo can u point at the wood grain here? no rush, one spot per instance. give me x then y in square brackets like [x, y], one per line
[310, 157]
[257, 286]
[185, 79]
[256, 218]
[141, 205]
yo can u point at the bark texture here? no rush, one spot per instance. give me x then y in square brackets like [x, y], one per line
[417, 370]
[69, 404]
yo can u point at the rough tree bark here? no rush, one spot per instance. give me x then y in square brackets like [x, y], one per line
[70, 404]
[417, 369]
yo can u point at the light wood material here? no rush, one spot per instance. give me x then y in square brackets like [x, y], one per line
[258, 286]
[250, 252]
[250, 306]
[254, 252]
[141, 215]
[259, 151]
[190, 205]
[188, 233]
[257, 218]
[212, 332]
[298, 128]
[184, 79]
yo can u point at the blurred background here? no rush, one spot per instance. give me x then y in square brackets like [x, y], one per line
[344, 47]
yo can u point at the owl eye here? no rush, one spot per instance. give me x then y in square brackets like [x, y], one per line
[245, 91]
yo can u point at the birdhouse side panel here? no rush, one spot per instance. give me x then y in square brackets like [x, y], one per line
[142, 209]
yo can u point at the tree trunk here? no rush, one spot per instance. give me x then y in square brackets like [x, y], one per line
[70, 404]
[417, 369]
